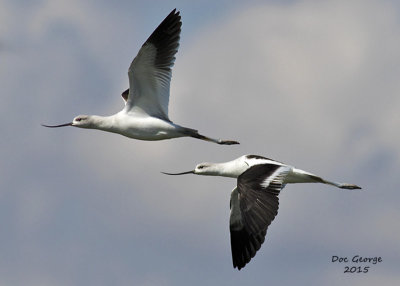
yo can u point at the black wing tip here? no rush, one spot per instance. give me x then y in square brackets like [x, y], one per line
[174, 12]
[244, 246]
[165, 38]
[172, 18]
[170, 25]
[238, 267]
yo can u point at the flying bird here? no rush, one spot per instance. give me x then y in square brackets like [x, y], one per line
[254, 201]
[145, 115]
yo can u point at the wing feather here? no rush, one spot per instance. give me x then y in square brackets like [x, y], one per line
[254, 205]
[150, 72]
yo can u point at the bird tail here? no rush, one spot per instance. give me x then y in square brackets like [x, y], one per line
[195, 134]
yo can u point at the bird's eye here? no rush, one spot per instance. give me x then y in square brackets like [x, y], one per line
[201, 167]
[78, 119]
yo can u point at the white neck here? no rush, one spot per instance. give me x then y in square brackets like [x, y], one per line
[232, 169]
[105, 123]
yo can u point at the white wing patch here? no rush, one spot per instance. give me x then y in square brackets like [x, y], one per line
[276, 177]
[149, 87]
[150, 71]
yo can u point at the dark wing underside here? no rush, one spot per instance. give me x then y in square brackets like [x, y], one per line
[254, 205]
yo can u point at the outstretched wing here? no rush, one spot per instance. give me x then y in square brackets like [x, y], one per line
[254, 205]
[150, 71]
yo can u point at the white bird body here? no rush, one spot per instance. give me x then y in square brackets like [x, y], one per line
[234, 168]
[145, 115]
[254, 201]
[140, 126]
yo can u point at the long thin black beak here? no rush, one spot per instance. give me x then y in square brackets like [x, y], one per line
[61, 125]
[183, 173]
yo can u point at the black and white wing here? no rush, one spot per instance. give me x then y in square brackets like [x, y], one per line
[254, 205]
[150, 71]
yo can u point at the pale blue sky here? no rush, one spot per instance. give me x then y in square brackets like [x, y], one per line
[310, 83]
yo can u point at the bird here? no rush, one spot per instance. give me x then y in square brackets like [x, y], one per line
[254, 201]
[145, 115]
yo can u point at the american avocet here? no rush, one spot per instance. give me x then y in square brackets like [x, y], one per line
[254, 201]
[145, 115]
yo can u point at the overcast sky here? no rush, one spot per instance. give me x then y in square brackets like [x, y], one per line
[314, 84]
